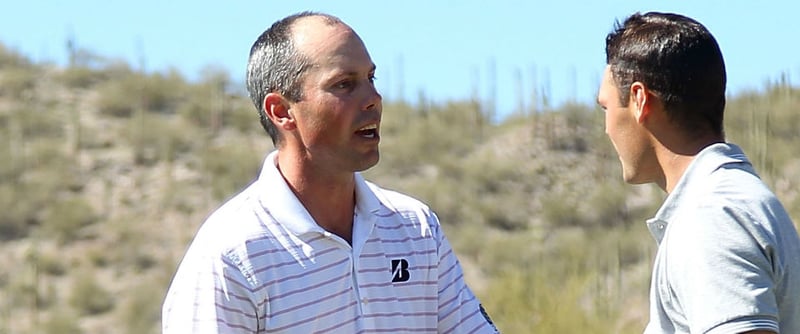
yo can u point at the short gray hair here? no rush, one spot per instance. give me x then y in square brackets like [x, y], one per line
[275, 66]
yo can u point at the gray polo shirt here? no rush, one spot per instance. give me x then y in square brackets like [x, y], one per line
[728, 258]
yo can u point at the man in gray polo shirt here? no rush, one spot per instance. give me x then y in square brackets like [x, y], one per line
[728, 258]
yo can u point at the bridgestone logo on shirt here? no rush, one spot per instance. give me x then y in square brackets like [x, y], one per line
[400, 270]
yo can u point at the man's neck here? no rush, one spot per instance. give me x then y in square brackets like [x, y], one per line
[328, 198]
[675, 162]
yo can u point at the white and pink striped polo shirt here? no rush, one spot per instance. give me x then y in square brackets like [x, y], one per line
[260, 264]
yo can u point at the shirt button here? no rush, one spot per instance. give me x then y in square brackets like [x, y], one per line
[364, 301]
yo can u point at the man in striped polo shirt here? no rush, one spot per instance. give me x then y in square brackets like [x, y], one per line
[310, 246]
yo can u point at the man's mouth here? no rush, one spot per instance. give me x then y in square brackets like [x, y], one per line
[368, 131]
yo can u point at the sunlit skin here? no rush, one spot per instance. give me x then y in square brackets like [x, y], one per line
[333, 131]
[627, 134]
[651, 148]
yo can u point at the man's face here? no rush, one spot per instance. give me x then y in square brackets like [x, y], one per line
[629, 137]
[338, 118]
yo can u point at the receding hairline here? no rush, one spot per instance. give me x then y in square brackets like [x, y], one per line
[311, 27]
[327, 19]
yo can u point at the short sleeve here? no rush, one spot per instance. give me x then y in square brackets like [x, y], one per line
[459, 310]
[721, 271]
[209, 295]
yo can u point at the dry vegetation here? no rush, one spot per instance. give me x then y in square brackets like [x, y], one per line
[107, 172]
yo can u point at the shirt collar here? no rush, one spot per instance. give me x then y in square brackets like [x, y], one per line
[282, 204]
[706, 162]
[366, 201]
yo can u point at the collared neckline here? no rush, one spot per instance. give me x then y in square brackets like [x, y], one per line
[282, 204]
[704, 163]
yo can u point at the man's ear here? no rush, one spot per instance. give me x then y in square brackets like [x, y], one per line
[277, 109]
[640, 101]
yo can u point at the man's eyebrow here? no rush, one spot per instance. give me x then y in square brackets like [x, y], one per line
[356, 72]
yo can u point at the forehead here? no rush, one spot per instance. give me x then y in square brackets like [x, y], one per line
[326, 43]
[608, 88]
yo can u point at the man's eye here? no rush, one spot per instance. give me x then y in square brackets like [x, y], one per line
[344, 84]
[372, 78]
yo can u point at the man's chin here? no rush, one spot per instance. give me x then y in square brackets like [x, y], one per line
[635, 179]
[631, 178]
[369, 162]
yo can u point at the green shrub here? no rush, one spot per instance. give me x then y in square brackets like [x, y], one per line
[559, 209]
[10, 58]
[566, 281]
[88, 296]
[210, 108]
[80, 77]
[93, 73]
[31, 184]
[98, 257]
[157, 93]
[22, 291]
[230, 168]
[14, 223]
[51, 264]
[18, 81]
[38, 124]
[61, 322]
[242, 116]
[155, 138]
[141, 314]
[35, 186]
[606, 204]
[65, 219]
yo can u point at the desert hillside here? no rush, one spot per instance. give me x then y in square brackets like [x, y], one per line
[106, 172]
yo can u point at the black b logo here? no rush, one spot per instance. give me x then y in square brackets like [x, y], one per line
[400, 270]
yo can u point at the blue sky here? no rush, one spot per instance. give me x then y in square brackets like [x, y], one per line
[446, 49]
